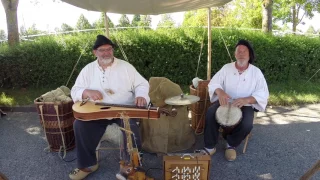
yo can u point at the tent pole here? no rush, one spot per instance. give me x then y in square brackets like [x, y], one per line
[209, 45]
[106, 23]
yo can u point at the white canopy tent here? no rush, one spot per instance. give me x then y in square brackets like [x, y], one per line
[151, 7]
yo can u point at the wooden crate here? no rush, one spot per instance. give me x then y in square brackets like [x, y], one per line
[193, 166]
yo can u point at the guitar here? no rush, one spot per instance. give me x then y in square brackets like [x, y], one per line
[96, 111]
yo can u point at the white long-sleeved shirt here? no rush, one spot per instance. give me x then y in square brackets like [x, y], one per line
[250, 83]
[120, 83]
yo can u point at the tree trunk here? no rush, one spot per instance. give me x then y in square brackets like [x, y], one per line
[267, 16]
[294, 18]
[11, 7]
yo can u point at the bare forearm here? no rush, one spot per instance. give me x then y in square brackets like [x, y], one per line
[250, 100]
[218, 91]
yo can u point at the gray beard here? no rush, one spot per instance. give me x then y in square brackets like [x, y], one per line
[241, 64]
[106, 61]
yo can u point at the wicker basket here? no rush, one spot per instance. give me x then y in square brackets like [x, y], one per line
[199, 109]
[58, 134]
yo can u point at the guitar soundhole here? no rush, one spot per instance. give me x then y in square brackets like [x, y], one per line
[105, 108]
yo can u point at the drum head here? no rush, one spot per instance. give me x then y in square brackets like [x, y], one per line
[228, 115]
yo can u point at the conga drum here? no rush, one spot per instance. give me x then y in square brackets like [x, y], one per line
[228, 117]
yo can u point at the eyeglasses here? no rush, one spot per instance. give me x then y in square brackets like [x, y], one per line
[105, 50]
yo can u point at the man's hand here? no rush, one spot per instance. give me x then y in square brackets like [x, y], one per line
[223, 96]
[240, 102]
[140, 101]
[243, 101]
[92, 94]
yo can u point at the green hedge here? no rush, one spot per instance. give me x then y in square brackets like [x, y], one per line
[172, 53]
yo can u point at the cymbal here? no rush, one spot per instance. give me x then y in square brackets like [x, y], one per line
[182, 100]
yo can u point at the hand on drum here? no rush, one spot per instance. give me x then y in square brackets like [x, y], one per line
[240, 102]
[223, 97]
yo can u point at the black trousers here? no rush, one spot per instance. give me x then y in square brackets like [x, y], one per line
[89, 133]
[235, 137]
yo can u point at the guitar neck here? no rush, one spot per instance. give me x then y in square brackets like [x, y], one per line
[125, 106]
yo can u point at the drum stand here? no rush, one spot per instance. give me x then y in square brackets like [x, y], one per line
[133, 169]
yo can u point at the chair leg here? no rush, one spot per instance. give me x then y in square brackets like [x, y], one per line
[246, 143]
[249, 135]
[98, 152]
[311, 171]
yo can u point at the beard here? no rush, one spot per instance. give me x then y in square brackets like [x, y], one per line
[242, 63]
[106, 61]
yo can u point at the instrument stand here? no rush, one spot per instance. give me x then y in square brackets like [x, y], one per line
[131, 170]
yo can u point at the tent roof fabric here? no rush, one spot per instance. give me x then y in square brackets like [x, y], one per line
[151, 7]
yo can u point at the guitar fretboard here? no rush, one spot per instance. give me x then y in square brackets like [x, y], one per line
[125, 106]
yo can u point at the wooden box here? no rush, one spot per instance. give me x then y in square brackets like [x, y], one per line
[193, 166]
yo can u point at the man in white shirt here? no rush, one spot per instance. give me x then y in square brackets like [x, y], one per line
[242, 84]
[108, 80]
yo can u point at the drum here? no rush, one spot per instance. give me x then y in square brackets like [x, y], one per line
[228, 117]
[57, 124]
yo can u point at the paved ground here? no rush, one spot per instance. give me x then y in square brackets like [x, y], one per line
[284, 145]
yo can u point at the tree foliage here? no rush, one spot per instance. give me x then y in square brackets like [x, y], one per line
[238, 13]
[124, 21]
[100, 22]
[293, 11]
[166, 21]
[66, 27]
[195, 18]
[245, 14]
[145, 21]
[311, 30]
[136, 20]
[83, 23]
[32, 30]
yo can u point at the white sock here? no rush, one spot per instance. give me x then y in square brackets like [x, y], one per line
[210, 150]
[228, 146]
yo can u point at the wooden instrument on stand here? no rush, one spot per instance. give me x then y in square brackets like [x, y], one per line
[132, 170]
[88, 111]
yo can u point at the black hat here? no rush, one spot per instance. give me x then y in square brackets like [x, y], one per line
[248, 45]
[102, 40]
